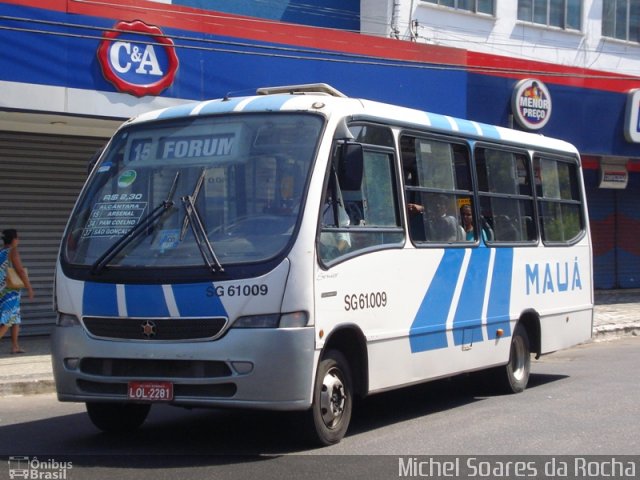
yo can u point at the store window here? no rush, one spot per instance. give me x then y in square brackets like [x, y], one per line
[566, 14]
[621, 19]
[475, 6]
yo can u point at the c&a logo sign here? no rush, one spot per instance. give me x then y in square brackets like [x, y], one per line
[137, 58]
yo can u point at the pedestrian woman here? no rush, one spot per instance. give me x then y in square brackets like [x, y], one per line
[10, 298]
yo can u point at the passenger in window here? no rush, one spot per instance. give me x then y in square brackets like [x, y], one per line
[443, 226]
[415, 209]
[467, 223]
[466, 214]
[416, 222]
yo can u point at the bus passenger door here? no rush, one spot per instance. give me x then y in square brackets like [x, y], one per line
[358, 282]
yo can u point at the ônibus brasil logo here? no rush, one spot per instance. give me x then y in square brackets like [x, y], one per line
[137, 58]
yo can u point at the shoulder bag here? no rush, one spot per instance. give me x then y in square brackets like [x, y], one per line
[13, 280]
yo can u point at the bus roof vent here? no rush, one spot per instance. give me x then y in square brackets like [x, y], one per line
[309, 88]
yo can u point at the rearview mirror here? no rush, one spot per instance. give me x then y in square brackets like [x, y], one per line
[350, 166]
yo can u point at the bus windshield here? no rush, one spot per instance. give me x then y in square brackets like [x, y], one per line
[202, 190]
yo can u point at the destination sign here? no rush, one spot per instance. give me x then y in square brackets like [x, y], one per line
[113, 219]
[182, 148]
[196, 146]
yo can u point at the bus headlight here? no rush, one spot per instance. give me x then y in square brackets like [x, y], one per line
[258, 321]
[285, 320]
[66, 320]
[294, 320]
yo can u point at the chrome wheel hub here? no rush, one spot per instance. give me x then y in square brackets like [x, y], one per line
[332, 398]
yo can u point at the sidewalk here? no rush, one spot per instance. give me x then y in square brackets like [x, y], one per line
[616, 313]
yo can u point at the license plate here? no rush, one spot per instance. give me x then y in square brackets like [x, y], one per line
[150, 391]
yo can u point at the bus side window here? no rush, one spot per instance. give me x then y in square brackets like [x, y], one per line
[437, 182]
[506, 196]
[334, 239]
[415, 208]
[559, 199]
[371, 217]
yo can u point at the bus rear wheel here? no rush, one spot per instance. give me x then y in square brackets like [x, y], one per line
[117, 417]
[332, 399]
[514, 376]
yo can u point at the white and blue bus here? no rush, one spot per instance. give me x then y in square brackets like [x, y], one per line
[298, 248]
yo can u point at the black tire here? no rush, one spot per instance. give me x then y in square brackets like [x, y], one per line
[332, 399]
[117, 417]
[514, 376]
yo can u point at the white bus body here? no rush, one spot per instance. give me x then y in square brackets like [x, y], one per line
[203, 264]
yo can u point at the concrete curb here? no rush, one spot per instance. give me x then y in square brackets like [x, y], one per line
[611, 332]
[27, 386]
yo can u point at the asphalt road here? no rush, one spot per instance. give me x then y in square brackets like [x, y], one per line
[582, 401]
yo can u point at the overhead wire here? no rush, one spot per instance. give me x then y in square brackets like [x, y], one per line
[289, 52]
[310, 9]
[503, 44]
[250, 23]
[498, 39]
[248, 20]
[210, 14]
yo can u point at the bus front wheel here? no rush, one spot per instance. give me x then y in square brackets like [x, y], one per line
[332, 398]
[117, 417]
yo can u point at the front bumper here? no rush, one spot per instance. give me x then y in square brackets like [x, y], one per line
[246, 368]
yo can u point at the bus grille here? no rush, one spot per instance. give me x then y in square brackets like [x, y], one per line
[155, 329]
[224, 390]
[189, 376]
[142, 368]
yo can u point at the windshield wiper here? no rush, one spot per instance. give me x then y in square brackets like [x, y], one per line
[194, 219]
[200, 234]
[135, 232]
[194, 198]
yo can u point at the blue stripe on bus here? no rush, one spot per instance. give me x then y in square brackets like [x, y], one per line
[428, 330]
[489, 131]
[99, 299]
[266, 102]
[500, 294]
[149, 300]
[198, 301]
[178, 111]
[467, 322]
[439, 121]
[145, 301]
[467, 127]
